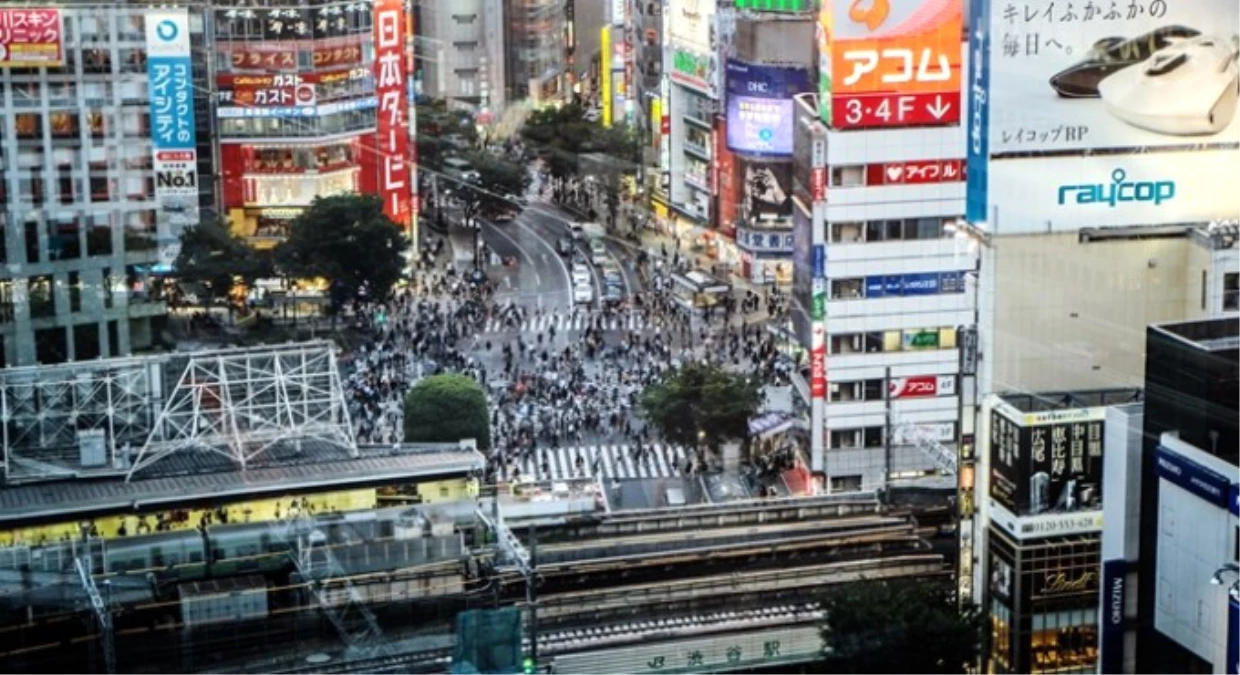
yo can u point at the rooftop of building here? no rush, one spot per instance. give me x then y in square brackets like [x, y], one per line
[188, 476]
[1070, 400]
[1210, 335]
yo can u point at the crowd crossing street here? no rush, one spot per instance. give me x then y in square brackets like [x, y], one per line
[562, 384]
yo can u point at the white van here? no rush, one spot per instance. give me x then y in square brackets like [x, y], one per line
[576, 231]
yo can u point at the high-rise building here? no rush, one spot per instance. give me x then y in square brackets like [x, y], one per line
[312, 101]
[535, 40]
[461, 52]
[888, 303]
[105, 156]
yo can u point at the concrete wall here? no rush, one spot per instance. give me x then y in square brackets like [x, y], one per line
[772, 41]
[1067, 315]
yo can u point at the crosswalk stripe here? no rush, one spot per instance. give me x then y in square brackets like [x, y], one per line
[615, 462]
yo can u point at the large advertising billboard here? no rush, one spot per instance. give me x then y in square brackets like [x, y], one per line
[760, 107]
[174, 141]
[31, 37]
[767, 191]
[1068, 193]
[689, 24]
[1046, 463]
[1098, 76]
[699, 72]
[890, 63]
[392, 136]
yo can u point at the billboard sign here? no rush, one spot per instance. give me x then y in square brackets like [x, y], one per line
[251, 58]
[775, 5]
[392, 137]
[31, 37]
[1068, 193]
[922, 386]
[918, 172]
[695, 71]
[892, 63]
[174, 140]
[1043, 463]
[761, 112]
[977, 133]
[689, 24]
[759, 241]
[1144, 75]
[913, 284]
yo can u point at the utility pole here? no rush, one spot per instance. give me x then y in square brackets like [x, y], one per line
[887, 426]
[531, 593]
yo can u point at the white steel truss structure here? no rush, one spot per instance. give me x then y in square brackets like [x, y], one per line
[240, 403]
[47, 412]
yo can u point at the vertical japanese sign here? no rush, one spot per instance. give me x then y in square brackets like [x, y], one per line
[31, 38]
[604, 41]
[173, 139]
[392, 137]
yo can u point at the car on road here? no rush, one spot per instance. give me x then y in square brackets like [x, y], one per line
[576, 231]
[598, 252]
[579, 258]
[564, 246]
[583, 294]
[581, 275]
[613, 295]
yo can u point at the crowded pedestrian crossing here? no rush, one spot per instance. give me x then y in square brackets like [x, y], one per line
[564, 322]
[607, 461]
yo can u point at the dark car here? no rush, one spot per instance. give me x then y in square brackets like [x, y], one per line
[564, 246]
[614, 295]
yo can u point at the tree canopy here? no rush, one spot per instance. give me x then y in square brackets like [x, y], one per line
[213, 256]
[445, 409]
[563, 133]
[899, 626]
[702, 398]
[350, 242]
[498, 181]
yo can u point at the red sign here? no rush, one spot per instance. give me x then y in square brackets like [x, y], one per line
[919, 172]
[665, 125]
[264, 59]
[818, 184]
[818, 372]
[895, 110]
[260, 97]
[338, 56]
[31, 38]
[392, 137]
[922, 386]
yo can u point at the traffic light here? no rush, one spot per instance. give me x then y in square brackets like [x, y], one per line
[528, 666]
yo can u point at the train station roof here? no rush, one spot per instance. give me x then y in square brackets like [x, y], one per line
[197, 476]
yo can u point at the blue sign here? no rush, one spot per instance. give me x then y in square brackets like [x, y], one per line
[1118, 190]
[1207, 484]
[907, 285]
[172, 98]
[760, 112]
[976, 95]
[1114, 598]
[820, 261]
[1233, 636]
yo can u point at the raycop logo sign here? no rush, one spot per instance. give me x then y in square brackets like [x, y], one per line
[1119, 190]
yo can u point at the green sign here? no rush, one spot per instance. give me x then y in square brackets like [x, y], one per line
[923, 339]
[818, 308]
[776, 5]
[692, 65]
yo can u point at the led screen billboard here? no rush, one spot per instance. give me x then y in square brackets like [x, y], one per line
[760, 108]
[890, 63]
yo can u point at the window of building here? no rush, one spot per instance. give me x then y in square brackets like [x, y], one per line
[1064, 640]
[1231, 291]
[28, 125]
[845, 391]
[847, 289]
[133, 60]
[42, 296]
[75, 294]
[50, 345]
[918, 339]
[846, 439]
[848, 176]
[846, 483]
[847, 233]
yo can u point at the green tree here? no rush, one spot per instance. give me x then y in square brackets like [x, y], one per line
[215, 257]
[445, 409]
[702, 401]
[899, 626]
[350, 242]
[499, 183]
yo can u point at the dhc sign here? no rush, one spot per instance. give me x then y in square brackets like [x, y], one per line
[1119, 190]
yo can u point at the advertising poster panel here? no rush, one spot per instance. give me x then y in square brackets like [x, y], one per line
[689, 24]
[1069, 193]
[698, 72]
[174, 141]
[31, 37]
[1046, 463]
[392, 138]
[761, 112]
[1142, 74]
[890, 63]
[977, 131]
[767, 191]
[729, 188]
[802, 262]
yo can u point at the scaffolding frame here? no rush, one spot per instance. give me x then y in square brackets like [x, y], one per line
[240, 403]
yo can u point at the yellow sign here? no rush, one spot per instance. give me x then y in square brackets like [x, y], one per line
[604, 41]
[656, 120]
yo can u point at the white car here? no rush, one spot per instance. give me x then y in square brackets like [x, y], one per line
[576, 231]
[581, 275]
[598, 252]
[583, 294]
